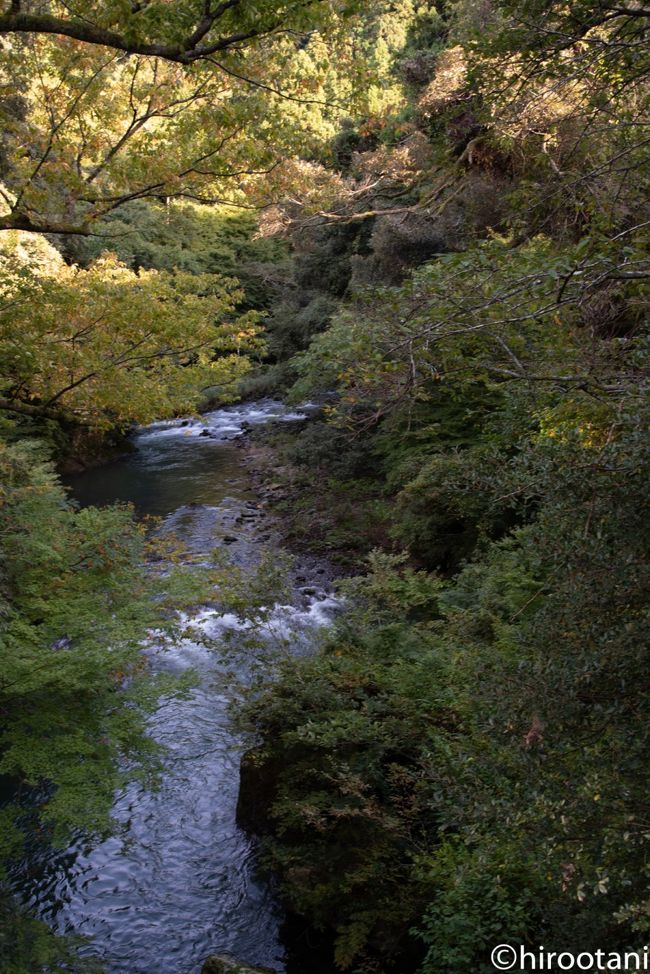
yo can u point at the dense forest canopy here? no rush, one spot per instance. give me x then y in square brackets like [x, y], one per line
[103, 104]
[432, 218]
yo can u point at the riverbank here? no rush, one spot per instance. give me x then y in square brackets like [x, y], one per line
[316, 514]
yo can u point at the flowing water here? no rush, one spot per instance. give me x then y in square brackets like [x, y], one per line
[178, 881]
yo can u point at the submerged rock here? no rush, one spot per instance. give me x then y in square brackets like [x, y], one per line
[223, 964]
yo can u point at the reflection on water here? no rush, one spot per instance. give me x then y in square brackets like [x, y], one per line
[178, 881]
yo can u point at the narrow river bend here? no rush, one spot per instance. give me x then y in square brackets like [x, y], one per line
[178, 881]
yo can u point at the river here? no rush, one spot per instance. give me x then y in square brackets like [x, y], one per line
[177, 881]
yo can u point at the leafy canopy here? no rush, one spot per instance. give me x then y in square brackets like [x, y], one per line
[198, 112]
[106, 346]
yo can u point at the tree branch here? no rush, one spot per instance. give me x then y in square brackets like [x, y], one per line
[186, 52]
[21, 221]
[26, 409]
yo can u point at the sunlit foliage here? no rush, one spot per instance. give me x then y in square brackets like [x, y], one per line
[109, 346]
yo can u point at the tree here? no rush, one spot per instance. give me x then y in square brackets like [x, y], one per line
[102, 104]
[106, 346]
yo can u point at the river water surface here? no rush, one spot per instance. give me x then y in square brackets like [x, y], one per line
[178, 880]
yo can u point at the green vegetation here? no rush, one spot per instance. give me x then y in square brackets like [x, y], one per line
[189, 237]
[433, 219]
[106, 346]
[462, 764]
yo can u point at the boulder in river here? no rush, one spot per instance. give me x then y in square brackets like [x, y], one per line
[223, 964]
[312, 590]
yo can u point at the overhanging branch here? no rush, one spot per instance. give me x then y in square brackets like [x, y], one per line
[20, 221]
[186, 52]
